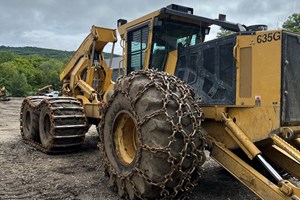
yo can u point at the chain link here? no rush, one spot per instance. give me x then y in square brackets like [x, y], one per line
[172, 89]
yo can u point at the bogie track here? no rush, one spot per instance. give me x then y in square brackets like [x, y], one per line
[55, 124]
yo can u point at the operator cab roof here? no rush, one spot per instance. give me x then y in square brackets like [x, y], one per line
[185, 14]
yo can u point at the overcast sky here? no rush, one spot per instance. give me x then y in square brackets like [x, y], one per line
[63, 24]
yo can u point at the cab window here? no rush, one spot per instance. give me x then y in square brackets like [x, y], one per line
[137, 44]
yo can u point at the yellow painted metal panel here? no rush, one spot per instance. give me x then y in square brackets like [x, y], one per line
[264, 117]
[123, 29]
[257, 122]
[171, 62]
[266, 67]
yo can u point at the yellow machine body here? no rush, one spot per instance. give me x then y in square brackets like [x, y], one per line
[253, 122]
[258, 90]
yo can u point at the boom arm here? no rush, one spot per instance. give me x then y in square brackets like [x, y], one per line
[88, 64]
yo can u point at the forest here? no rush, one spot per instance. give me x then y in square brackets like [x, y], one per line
[25, 69]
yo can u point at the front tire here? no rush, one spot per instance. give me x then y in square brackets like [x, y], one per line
[152, 139]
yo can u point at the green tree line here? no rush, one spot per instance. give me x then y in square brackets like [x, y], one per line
[23, 70]
[22, 75]
[292, 23]
[48, 53]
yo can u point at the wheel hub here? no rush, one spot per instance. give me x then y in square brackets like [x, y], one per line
[125, 138]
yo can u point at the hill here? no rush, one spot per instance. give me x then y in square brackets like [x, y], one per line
[47, 53]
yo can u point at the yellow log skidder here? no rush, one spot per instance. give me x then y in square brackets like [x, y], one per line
[235, 96]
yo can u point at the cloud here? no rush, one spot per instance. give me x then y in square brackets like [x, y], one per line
[54, 40]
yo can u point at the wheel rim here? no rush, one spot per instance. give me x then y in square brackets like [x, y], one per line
[28, 120]
[125, 138]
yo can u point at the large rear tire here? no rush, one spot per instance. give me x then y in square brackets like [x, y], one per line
[152, 139]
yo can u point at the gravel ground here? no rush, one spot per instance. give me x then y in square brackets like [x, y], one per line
[29, 174]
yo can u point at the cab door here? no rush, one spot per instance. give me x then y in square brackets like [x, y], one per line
[137, 46]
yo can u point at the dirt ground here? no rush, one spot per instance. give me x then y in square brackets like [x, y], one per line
[26, 173]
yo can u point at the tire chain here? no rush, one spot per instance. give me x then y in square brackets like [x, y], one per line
[35, 103]
[198, 153]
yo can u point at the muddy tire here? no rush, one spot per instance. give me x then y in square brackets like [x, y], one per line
[45, 127]
[62, 124]
[30, 119]
[152, 139]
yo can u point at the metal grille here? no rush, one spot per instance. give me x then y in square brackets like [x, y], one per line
[290, 110]
[209, 68]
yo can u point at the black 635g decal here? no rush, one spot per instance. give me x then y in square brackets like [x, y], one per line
[268, 37]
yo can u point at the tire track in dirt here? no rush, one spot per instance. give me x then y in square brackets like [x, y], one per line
[16, 176]
[30, 174]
